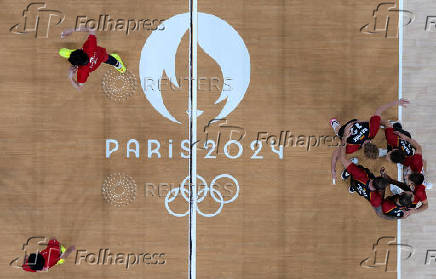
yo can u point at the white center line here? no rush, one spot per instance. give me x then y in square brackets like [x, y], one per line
[400, 118]
[193, 139]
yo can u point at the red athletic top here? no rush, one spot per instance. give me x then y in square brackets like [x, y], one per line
[420, 195]
[362, 178]
[391, 209]
[362, 131]
[395, 142]
[96, 55]
[51, 255]
[414, 162]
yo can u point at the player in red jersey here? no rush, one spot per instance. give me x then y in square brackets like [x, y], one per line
[414, 184]
[414, 162]
[360, 134]
[54, 254]
[364, 182]
[88, 58]
[394, 142]
[397, 206]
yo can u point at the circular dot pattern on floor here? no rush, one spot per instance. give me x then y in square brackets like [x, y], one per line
[117, 86]
[119, 189]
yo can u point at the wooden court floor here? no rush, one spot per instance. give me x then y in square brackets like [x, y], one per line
[308, 63]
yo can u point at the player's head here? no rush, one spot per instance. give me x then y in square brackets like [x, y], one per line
[380, 183]
[78, 58]
[370, 150]
[36, 261]
[416, 178]
[396, 156]
[342, 129]
[405, 199]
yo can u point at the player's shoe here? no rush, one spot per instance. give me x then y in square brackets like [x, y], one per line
[335, 124]
[345, 174]
[65, 52]
[120, 65]
[428, 185]
[61, 261]
[351, 189]
[354, 160]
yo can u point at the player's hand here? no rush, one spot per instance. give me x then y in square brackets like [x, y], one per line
[382, 171]
[406, 214]
[403, 102]
[66, 33]
[401, 135]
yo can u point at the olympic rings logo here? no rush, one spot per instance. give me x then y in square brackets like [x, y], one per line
[201, 195]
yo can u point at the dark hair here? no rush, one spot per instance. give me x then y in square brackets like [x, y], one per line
[405, 199]
[380, 183]
[342, 129]
[371, 150]
[416, 178]
[397, 156]
[78, 58]
[36, 261]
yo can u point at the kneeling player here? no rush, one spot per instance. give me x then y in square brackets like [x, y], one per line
[364, 183]
[414, 162]
[397, 206]
[414, 184]
[358, 134]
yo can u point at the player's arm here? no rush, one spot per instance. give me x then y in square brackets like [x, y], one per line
[403, 186]
[386, 124]
[335, 156]
[378, 210]
[71, 73]
[418, 147]
[381, 109]
[342, 150]
[68, 32]
[422, 208]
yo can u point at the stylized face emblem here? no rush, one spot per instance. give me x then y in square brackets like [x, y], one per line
[217, 38]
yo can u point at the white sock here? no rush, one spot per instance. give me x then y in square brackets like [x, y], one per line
[382, 152]
[395, 189]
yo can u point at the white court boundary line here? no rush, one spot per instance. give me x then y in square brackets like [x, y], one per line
[193, 139]
[400, 118]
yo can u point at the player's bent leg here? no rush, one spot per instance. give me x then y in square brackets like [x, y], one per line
[120, 65]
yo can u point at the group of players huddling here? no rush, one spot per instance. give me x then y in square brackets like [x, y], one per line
[409, 197]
